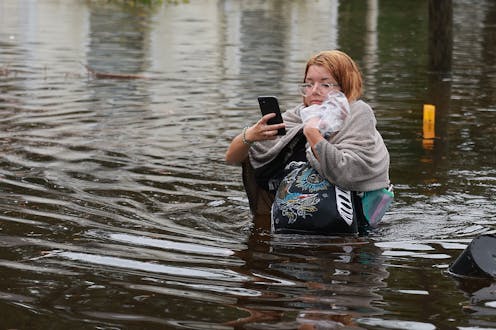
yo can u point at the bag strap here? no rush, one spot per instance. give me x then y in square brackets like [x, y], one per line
[275, 167]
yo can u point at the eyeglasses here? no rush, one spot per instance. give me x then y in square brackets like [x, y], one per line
[306, 89]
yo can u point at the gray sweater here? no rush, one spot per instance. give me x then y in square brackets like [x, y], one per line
[355, 158]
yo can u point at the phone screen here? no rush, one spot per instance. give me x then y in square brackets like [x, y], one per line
[269, 104]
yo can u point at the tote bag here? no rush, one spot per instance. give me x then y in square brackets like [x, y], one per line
[307, 203]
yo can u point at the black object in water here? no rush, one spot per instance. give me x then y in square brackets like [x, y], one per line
[478, 259]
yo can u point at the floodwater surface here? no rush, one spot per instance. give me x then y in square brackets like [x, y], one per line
[118, 211]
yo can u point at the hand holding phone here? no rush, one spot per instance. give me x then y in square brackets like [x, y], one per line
[269, 104]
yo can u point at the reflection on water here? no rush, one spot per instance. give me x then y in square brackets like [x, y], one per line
[118, 211]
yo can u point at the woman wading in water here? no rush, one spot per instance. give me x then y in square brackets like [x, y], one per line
[329, 173]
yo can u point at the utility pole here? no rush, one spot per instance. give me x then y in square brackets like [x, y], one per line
[440, 36]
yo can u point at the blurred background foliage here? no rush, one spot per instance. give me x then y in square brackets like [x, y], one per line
[141, 3]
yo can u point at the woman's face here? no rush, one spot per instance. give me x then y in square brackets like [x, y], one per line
[322, 83]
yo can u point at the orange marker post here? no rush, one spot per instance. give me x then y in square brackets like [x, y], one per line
[429, 121]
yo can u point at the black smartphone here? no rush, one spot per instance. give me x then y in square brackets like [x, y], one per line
[269, 104]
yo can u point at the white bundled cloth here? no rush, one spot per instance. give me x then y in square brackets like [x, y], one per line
[329, 116]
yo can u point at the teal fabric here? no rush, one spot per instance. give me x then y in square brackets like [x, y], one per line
[375, 204]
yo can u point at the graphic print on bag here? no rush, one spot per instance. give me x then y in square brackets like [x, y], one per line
[344, 205]
[307, 202]
[294, 205]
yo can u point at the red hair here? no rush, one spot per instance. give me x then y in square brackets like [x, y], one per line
[343, 69]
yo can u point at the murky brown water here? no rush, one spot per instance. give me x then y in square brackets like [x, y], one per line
[117, 210]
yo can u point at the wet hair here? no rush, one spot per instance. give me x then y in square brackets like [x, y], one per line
[344, 70]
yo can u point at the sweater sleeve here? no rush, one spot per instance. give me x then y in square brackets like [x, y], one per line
[356, 158]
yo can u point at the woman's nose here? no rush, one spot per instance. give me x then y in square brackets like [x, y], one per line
[315, 89]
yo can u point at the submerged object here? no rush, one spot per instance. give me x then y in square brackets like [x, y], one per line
[478, 259]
